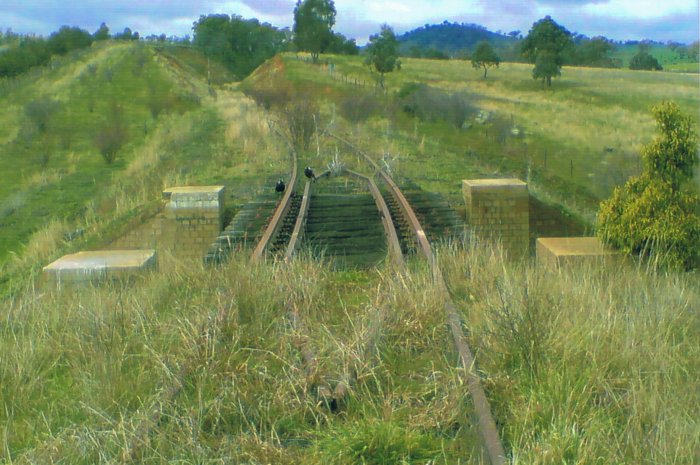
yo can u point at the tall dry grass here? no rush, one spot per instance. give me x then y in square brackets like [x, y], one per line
[585, 365]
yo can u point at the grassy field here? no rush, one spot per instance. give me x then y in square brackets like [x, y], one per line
[667, 58]
[573, 142]
[203, 365]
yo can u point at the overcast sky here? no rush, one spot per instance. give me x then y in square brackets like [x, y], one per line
[616, 19]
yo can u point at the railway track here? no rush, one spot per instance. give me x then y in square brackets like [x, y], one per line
[329, 219]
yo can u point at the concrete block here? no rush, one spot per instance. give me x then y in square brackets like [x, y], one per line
[498, 210]
[99, 264]
[554, 252]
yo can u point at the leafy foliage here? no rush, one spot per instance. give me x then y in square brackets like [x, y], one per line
[383, 52]
[656, 212]
[431, 104]
[29, 51]
[341, 45]
[102, 33]
[644, 61]
[240, 44]
[41, 111]
[485, 57]
[593, 52]
[67, 39]
[545, 46]
[112, 135]
[313, 24]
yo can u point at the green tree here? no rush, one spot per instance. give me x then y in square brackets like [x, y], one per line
[644, 61]
[239, 44]
[102, 33]
[383, 52]
[694, 51]
[313, 24]
[67, 39]
[656, 212]
[595, 52]
[485, 57]
[341, 45]
[545, 46]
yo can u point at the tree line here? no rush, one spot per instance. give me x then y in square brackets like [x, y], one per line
[23, 52]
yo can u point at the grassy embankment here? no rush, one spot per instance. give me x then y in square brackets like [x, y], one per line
[574, 142]
[587, 366]
[178, 132]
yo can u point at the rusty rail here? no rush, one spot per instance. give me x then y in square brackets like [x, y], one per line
[299, 224]
[391, 236]
[487, 424]
[276, 222]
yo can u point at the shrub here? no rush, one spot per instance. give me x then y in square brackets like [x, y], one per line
[274, 94]
[644, 61]
[300, 119]
[358, 108]
[656, 212]
[430, 104]
[112, 135]
[41, 111]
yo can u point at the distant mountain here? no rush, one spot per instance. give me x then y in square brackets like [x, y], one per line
[456, 39]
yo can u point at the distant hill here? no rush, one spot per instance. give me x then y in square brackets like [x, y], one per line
[456, 39]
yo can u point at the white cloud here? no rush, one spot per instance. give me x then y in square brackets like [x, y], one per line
[642, 9]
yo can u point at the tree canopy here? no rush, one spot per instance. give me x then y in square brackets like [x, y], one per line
[240, 44]
[67, 39]
[383, 52]
[102, 33]
[313, 26]
[644, 61]
[545, 46]
[656, 212]
[485, 57]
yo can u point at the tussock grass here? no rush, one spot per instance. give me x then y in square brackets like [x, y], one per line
[587, 365]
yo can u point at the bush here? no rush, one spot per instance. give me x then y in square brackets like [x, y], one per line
[41, 111]
[644, 61]
[430, 104]
[276, 93]
[358, 108]
[656, 213]
[112, 135]
[300, 120]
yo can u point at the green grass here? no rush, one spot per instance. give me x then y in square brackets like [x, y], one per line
[586, 366]
[665, 56]
[590, 126]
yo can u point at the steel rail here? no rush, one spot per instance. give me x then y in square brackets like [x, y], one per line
[299, 224]
[391, 236]
[276, 222]
[487, 424]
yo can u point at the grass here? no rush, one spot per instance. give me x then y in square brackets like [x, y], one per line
[665, 56]
[586, 365]
[574, 142]
[79, 391]
[583, 366]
